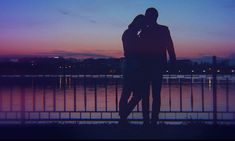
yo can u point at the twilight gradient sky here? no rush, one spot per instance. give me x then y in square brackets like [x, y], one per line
[93, 28]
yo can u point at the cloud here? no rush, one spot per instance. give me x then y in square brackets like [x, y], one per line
[68, 13]
[63, 12]
[68, 54]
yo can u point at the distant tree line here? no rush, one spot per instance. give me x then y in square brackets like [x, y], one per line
[60, 66]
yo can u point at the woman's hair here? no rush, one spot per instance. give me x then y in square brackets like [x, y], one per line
[137, 22]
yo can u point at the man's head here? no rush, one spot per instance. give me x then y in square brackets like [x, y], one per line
[151, 16]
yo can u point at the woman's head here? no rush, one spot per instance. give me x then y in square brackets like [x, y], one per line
[138, 22]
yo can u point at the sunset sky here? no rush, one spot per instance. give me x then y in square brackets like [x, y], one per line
[93, 28]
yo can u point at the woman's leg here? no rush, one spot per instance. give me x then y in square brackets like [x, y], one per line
[140, 91]
[123, 103]
[135, 99]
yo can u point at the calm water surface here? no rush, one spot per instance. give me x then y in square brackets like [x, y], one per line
[73, 93]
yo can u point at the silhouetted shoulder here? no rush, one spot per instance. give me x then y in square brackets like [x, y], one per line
[163, 27]
[124, 34]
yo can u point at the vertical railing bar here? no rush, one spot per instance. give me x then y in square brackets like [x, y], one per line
[22, 104]
[34, 96]
[65, 80]
[106, 93]
[181, 106]
[227, 95]
[11, 98]
[116, 94]
[202, 84]
[85, 94]
[169, 91]
[95, 87]
[54, 97]
[214, 90]
[75, 95]
[44, 97]
[1, 99]
[191, 91]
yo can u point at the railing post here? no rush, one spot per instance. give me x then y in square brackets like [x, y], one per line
[95, 87]
[214, 90]
[116, 94]
[0, 99]
[22, 102]
[75, 95]
[65, 93]
[85, 94]
[44, 97]
[203, 107]
[191, 86]
[181, 105]
[169, 83]
[54, 97]
[11, 98]
[34, 95]
[227, 95]
[106, 93]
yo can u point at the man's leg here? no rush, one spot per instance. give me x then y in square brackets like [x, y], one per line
[145, 104]
[156, 94]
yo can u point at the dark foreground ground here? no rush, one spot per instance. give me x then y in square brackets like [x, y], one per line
[116, 132]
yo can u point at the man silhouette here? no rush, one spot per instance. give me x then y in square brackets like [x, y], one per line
[156, 42]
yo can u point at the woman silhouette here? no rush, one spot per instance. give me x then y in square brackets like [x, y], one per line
[131, 71]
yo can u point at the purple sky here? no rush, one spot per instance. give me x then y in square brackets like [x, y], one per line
[75, 28]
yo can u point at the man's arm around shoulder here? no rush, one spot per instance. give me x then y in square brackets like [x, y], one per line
[170, 46]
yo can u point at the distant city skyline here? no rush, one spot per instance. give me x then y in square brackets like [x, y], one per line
[93, 28]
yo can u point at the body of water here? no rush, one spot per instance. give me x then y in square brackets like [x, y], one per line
[180, 94]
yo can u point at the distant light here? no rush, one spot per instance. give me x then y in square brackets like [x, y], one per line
[60, 67]
[56, 57]
[210, 82]
[232, 70]
[204, 70]
[192, 70]
[167, 71]
[179, 71]
[218, 70]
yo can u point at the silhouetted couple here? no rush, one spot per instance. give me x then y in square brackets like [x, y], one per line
[145, 44]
